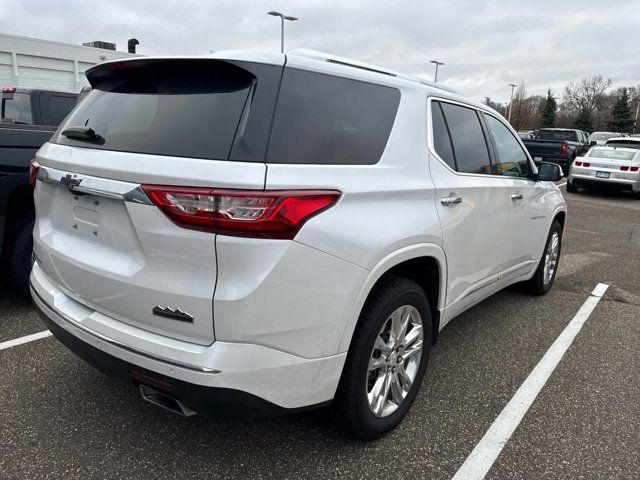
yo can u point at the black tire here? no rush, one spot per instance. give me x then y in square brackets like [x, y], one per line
[571, 188]
[19, 256]
[536, 285]
[351, 403]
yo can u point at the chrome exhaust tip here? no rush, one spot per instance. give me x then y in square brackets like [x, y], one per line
[165, 401]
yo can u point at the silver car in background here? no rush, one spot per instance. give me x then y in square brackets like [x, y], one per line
[601, 137]
[611, 166]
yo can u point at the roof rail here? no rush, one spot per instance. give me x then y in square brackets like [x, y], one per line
[328, 57]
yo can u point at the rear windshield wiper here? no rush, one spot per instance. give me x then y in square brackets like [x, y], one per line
[83, 133]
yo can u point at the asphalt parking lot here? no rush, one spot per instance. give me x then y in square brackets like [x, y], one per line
[60, 418]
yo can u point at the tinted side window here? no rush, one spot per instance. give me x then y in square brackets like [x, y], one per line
[60, 107]
[323, 119]
[469, 145]
[441, 139]
[512, 161]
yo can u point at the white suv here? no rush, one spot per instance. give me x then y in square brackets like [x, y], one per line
[265, 233]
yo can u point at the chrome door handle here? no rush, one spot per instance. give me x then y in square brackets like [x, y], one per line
[451, 199]
[517, 196]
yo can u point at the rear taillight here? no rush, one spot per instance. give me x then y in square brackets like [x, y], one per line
[577, 163]
[624, 168]
[243, 213]
[586, 164]
[33, 172]
[9, 90]
[564, 148]
[634, 169]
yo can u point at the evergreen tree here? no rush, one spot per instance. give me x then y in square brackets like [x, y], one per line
[621, 120]
[583, 121]
[549, 112]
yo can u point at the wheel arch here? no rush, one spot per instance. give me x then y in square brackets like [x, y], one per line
[561, 216]
[423, 263]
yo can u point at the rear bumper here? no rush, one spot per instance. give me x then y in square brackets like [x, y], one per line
[221, 379]
[589, 180]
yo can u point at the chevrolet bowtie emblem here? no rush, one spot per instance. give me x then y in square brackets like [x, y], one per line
[70, 182]
[173, 313]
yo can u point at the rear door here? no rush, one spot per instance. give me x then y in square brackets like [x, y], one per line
[528, 209]
[471, 202]
[164, 123]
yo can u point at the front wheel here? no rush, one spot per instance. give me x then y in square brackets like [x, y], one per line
[543, 279]
[387, 359]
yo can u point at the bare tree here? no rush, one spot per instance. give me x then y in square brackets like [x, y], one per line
[519, 106]
[525, 114]
[588, 94]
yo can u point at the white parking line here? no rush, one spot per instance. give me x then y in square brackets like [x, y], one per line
[561, 184]
[25, 339]
[487, 450]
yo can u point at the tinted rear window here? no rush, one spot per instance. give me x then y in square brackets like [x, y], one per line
[565, 135]
[323, 119]
[188, 109]
[16, 108]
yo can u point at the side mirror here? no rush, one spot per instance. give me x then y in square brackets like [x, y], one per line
[549, 172]
[592, 143]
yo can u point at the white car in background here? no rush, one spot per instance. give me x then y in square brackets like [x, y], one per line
[601, 137]
[611, 166]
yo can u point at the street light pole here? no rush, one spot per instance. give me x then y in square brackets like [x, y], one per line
[437, 63]
[282, 19]
[512, 85]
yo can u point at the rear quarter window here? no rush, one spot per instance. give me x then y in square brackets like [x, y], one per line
[324, 119]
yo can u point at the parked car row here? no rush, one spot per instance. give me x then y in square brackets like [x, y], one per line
[28, 119]
[266, 233]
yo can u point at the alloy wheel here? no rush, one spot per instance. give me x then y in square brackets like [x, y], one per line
[551, 257]
[394, 361]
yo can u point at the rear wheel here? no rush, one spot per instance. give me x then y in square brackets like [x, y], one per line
[19, 255]
[543, 279]
[571, 188]
[387, 359]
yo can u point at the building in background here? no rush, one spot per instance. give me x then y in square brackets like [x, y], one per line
[34, 63]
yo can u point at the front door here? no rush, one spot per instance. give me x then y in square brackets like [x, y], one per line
[527, 208]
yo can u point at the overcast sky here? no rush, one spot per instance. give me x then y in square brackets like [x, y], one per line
[485, 44]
